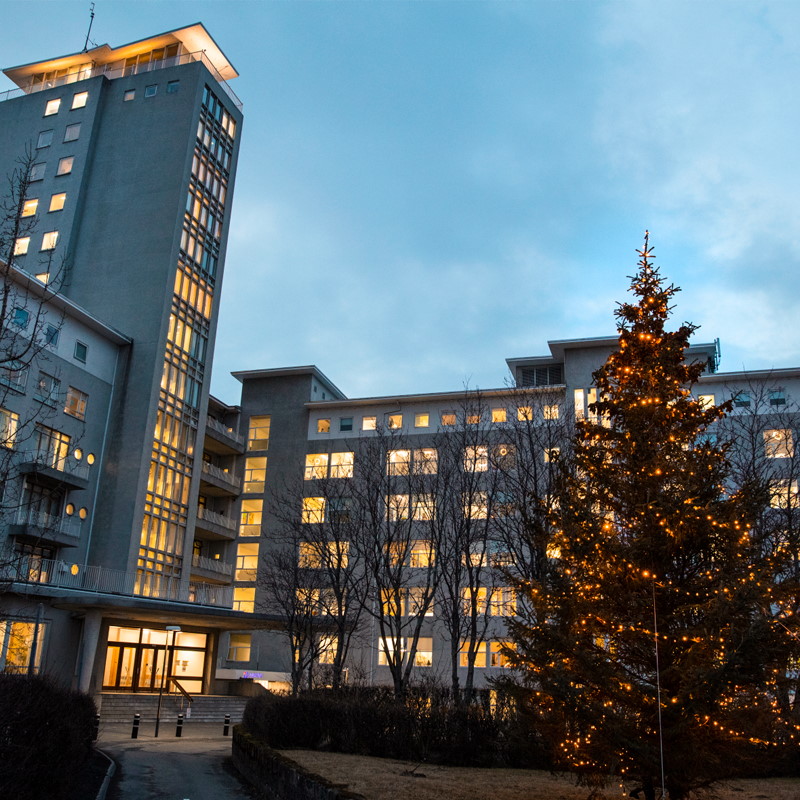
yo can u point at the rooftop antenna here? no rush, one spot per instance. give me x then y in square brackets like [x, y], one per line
[91, 20]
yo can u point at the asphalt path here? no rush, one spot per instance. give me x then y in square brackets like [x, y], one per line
[193, 767]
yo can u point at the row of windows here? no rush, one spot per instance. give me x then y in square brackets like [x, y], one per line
[39, 169]
[23, 243]
[57, 202]
[71, 134]
[489, 653]
[446, 418]
[150, 91]
[79, 100]
[47, 390]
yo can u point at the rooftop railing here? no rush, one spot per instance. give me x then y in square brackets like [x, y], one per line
[118, 69]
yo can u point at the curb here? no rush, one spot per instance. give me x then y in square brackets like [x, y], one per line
[112, 768]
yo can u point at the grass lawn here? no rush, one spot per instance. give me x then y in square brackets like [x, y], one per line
[381, 779]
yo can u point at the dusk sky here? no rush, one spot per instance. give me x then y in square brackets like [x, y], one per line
[427, 188]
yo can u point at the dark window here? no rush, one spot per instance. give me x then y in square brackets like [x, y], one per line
[45, 139]
[172, 86]
[346, 424]
[81, 351]
[150, 91]
[129, 95]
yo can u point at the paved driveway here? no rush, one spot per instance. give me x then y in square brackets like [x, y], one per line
[190, 768]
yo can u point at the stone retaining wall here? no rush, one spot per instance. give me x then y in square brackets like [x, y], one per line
[276, 777]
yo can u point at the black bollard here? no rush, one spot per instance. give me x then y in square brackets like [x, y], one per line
[135, 731]
[227, 725]
[179, 726]
[96, 727]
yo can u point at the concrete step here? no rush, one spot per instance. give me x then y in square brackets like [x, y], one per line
[119, 707]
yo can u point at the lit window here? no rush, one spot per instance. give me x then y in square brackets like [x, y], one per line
[69, 510]
[580, 403]
[448, 418]
[784, 494]
[90, 459]
[421, 420]
[327, 648]
[474, 419]
[497, 656]
[316, 466]
[20, 317]
[72, 132]
[83, 512]
[476, 458]
[504, 456]
[397, 507]
[473, 596]
[250, 520]
[16, 645]
[323, 426]
[21, 245]
[498, 415]
[397, 462]
[424, 507]
[77, 454]
[395, 421]
[551, 454]
[424, 655]
[341, 465]
[57, 201]
[47, 388]
[418, 602]
[524, 413]
[368, 423]
[480, 654]
[173, 86]
[45, 139]
[313, 510]
[65, 165]
[345, 423]
[81, 352]
[420, 554]
[315, 555]
[777, 398]
[29, 208]
[44, 277]
[244, 599]
[706, 400]
[239, 646]
[425, 461]
[779, 443]
[75, 404]
[51, 335]
[550, 411]
[9, 423]
[52, 107]
[258, 433]
[129, 94]
[255, 474]
[246, 561]
[150, 91]
[49, 240]
[502, 602]
[37, 171]
[476, 506]
[80, 99]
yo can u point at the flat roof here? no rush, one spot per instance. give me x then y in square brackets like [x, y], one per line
[286, 372]
[195, 38]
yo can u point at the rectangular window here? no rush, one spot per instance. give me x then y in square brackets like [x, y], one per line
[16, 646]
[480, 655]
[498, 415]
[72, 132]
[20, 317]
[551, 454]
[57, 201]
[395, 421]
[783, 494]
[550, 411]
[448, 418]
[342, 465]
[368, 423]
[37, 171]
[579, 399]
[79, 99]
[421, 554]
[150, 91]
[777, 398]
[345, 423]
[50, 240]
[239, 645]
[65, 165]
[52, 107]
[81, 352]
[75, 404]
[51, 334]
[128, 95]
[421, 420]
[504, 456]
[424, 655]
[327, 648]
[9, 423]
[425, 461]
[474, 419]
[323, 426]
[524, 413]
[14, 377]
[497, 656]
[502, 602]
[255, 474]
[45, 139]
[244, 599]
[424, 507]
[250, 520]
[741, 399]
[316, 466]
[313, 510]
[706, 400]
[30, 207]
[46, 388]
[246, 561]
[316, 555]
[21, 245]
[397, 462]
[397, 507]
[258, 433]
[173, 86]
[476, 458]
[475, 506]
[779, 443]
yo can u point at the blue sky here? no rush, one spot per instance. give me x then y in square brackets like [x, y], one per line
[427, 188]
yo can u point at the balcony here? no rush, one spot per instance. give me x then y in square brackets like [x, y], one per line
[222, 439]
[99, 580]
[214, 525]
[54, 468]
[42, 527]
[117, 69]
[220, 481]
[212, 568]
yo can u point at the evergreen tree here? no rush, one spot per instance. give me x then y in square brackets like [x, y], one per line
[651, 649]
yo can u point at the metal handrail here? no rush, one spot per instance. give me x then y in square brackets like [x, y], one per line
[218, 519]
[217, 426]
[221, 474]
[212, 564]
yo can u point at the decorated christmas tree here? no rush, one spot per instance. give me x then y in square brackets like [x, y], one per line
[655, 640]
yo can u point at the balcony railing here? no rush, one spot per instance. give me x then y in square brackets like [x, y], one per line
[217, 426]
[221, 474]
[118, 69]
[101, 580]
[212, 565]
[53, 460]
[56, 523]
[216, 519]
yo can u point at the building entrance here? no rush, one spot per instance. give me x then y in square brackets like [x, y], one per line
[136, 660]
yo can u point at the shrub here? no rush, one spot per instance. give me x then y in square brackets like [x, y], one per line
[45, 737]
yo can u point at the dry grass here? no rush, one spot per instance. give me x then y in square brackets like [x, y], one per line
[384, 779]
